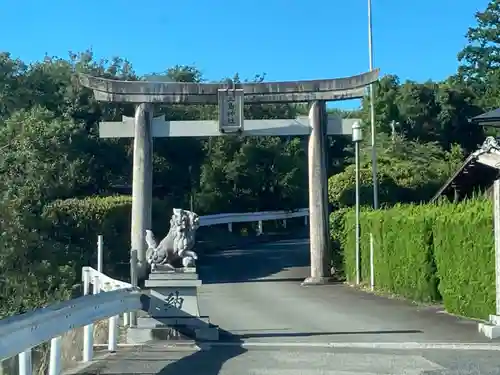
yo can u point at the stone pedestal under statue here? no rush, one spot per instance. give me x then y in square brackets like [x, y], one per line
[173, 306]
[173, 292]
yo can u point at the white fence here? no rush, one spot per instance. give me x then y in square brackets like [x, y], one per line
[258, 217]
[111, 298]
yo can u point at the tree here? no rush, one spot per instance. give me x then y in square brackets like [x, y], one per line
[429, 112]
[408, 171]
[480, 59]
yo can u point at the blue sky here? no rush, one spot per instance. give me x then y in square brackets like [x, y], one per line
[286, 39]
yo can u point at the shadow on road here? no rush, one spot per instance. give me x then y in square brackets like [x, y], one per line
[207, 361]
[239, 337]
[289, 258]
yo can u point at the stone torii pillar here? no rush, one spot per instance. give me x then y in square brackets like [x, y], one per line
[142, 183]
[318, 196]
[230, 99]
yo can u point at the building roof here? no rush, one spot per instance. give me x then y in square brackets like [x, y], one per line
[478, 172]
[491, 118]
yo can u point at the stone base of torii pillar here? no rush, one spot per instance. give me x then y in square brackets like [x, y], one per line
[172, 309]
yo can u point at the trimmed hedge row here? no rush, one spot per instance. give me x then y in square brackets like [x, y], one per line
[75, 224]
[426, 253]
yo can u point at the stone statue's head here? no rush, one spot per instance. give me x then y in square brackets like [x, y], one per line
[184, 225]
[194, 221]
[185, 220]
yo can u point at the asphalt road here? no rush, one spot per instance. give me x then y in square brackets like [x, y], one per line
[272, 326]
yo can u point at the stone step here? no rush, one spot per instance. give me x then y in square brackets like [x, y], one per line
[201, 332]
[169, 283]
[173, 276]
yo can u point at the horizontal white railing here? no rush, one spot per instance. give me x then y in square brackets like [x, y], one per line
[259, 217]
[20, 333]
[251, 217]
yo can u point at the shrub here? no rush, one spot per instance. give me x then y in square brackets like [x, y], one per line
[427, 252]
[337, 250]
[341, 188]
[75, 224]
[464, 251]
[403, 261]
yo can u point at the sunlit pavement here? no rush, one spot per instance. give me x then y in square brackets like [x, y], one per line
[272, 325]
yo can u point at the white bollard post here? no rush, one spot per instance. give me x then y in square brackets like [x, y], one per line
[88, 347]
[113, 330]
[284, 223]
[372, 267]
[112, 333]
[230, 227]
[259, 228]
[88, 330]
[126, 319]
[55, 356]
[100, 252]
[25, 363]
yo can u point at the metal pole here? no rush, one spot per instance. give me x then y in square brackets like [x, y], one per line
[356, 147]
[372, 265]
[191, 198]
[88, 330]
[496, 222]
[100, 251]
[25, 363]
[372, 110]
[55, 356]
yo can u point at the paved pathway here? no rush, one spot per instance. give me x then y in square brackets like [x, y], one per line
[273, 326]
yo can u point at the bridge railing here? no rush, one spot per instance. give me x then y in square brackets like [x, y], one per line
[110, 298]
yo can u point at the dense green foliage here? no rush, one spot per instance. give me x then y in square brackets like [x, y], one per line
[408, 171]
[52, 161]
[73, 223]
[427, 253]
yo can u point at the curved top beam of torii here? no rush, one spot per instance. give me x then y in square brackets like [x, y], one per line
[206, 93]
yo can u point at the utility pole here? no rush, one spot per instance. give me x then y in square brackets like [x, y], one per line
[357, 137]
[372, 110]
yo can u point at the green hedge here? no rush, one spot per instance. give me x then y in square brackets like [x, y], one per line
[426, 253]
[75, 224]
[465, 256]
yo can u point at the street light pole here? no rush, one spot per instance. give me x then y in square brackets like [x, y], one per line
[372, 110]
[357, 136]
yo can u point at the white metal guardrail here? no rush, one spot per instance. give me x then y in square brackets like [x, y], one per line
[20, 333]
[258, 217]
[251, 217]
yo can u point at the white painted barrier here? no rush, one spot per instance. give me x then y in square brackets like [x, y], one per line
[22, 332]
[110, 298]
[259, 217]
[247, 217]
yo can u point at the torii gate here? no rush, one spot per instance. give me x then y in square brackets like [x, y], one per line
[230, 99]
